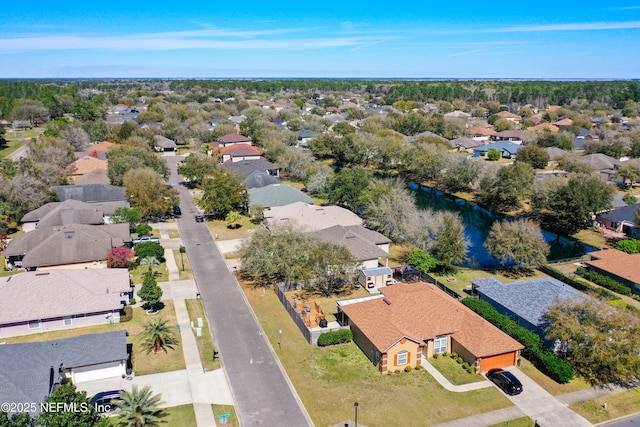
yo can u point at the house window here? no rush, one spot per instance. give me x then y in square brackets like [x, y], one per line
[66, 321]
[402, 358]
[34, 324]
[440, 345]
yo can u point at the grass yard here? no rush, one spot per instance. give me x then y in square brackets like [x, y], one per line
[138, 272]
[340, 375]
[550, 385]
[174, 234]
[591, 238]
[221, 231]
[184, 269]
[461, 278]
[300, 186]
[10, 147]
[177, 416]
[518, 422]
[143, 364]
[205, 342]
[232, 420]
[454, 372]
[618, 405]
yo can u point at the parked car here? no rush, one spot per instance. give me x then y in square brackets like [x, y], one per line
[102, 401]
[199, 218]
[506, 381]
[177, 211]
[144, 239]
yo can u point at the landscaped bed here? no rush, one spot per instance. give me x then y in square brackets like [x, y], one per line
[330, 379]
[453, 371]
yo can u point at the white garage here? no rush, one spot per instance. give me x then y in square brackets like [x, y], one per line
[98, 372]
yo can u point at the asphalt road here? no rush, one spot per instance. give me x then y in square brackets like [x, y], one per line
[260, 388]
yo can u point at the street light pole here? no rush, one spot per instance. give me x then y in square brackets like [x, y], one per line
[355, 405]
[280, 340]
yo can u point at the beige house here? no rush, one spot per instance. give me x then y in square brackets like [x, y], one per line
[410, 322]
[43, 301]
[310, 217]
[85, 165]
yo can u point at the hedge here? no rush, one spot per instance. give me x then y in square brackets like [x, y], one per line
[535, 350]
[604, 281]
[578, 284]
[341, 336]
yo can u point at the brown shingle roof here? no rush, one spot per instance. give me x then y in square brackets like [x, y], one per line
[103, 146]
[618, 263]
[545, 125]
[421, 311]
[86, 164]
[231, 138]
[481, 131]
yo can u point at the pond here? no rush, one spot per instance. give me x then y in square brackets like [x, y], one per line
[478, 222]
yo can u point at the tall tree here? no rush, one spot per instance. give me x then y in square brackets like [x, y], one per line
[67, 394]
[508, 187]
[602, 342]
[150, 292]
[148, 192]
[196, 166]
[534, 155]
[32, 112]
[158, 336]
[125, 157]
[451, 245]
[346, 187]
[518, 243]
[223, 192]
[461, 174]
[139, 408]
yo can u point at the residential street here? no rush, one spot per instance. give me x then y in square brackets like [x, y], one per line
[262, 392]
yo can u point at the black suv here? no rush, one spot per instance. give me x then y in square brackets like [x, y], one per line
[177, 211]
[506, 381]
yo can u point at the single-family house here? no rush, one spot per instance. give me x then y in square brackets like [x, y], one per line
[61, 214]
[514, 118]
[618, 265]
[90, 193]
[410, 322]
[607, 166]
[366, 246]
[31, 371]
[94, 177]
[233, 139]
[464, 143]
[84, 165]
[70, 246]
[621, 220]
[544, 127]
[507, 149]
[480, 133]
[457, 114]
[258, 179]
[98, 150]
[240, 152]
[43, 301]
[303, 136]
[555, 153]
[161, 143]
[564, 122]
[276, 194]
[310, 217]
[515, 136]
[248, 167]
[524, 301]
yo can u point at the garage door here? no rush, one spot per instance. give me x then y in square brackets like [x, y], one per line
[498, 361]
[100, 372]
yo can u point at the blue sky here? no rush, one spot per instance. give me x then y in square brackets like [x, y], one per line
[404, 39]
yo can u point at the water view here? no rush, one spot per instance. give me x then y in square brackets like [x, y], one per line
[478, 222]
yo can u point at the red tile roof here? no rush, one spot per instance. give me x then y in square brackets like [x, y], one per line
[421, 311]
[240, 150]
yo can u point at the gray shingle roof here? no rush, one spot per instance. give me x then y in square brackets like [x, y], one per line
[37, 295]
[25, 368]
[257, 179]
[528, 299]
[310, 217]
[624, 213]
[65, 213]
[90, 193]
[277, 195]
[354, 240]
[247, 167]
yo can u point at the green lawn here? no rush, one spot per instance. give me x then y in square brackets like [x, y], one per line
[10, 147]
[185, 270]
[340, 375]
[550, 385]
[221, 231]
[174, 234]
[454, 372]
[205, 342]
[461, 278]
[138, 272]
[518, 422]
[177, 416]
[617, 405]
[232, 420]
[143, 364]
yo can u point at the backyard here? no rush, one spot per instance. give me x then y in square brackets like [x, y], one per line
[340, 375]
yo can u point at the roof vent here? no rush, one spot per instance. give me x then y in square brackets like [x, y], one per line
[386, 301]
[69, 234]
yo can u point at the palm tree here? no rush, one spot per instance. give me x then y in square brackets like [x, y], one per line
[158, 336]
[233, 219]
[139, 408]
[150, 262]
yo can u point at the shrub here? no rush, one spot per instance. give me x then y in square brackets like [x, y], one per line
[436, 355]
[340, 336]
[132, 301]
[120, 257]
[445, 354]
[630, 246]
[143, 229]
[126, 314]
[418, 367]
[453, 355]
[408, 368]
[459, 360]
[539, 355]
[470, 369]
[149, 249]
[580, 285]
[604, 281]
[465, 365]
